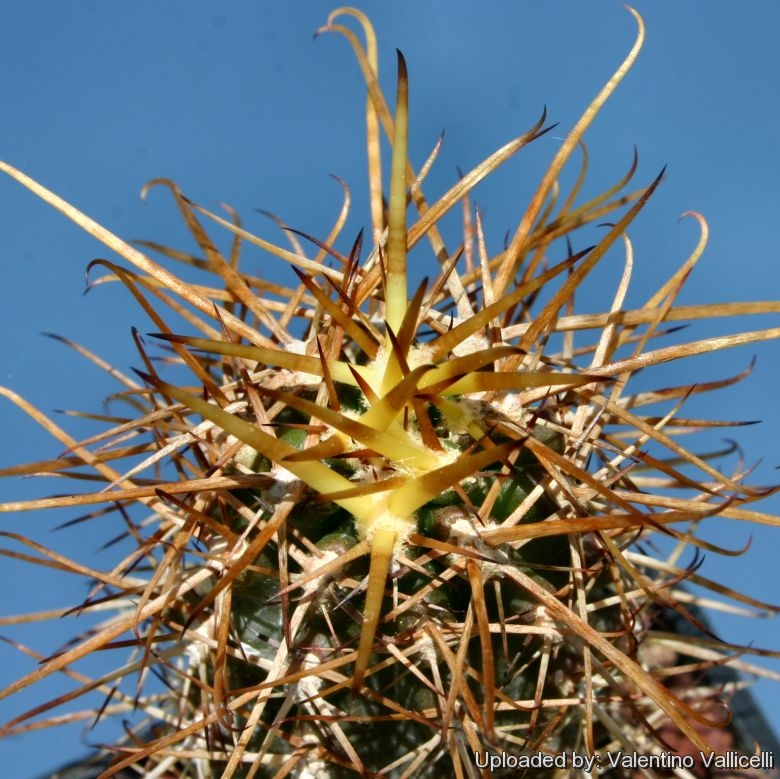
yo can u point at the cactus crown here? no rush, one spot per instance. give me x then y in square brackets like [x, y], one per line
[409, 533]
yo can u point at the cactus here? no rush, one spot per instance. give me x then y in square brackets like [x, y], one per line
[397, 527]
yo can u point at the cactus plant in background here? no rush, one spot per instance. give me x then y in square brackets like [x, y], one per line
[397, 526]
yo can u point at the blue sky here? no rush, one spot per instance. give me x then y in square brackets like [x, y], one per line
[235, 102]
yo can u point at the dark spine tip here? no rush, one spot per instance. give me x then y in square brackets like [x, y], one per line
[402, 71]
[145, 377]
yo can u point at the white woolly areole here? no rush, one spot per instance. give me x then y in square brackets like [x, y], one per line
[309, 686]
[427, 650]
[463, 533]
[402, 527]
[463, 530]
[508, 403]
[419, 354]
[281, 486]
[474, 343]
[300, 377]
